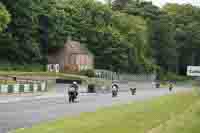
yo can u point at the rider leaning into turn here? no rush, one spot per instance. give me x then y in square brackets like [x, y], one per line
[75, 86]
[170, 85]
[73, 92]
[115, 87]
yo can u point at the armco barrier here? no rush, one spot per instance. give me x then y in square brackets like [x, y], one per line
[23, 88]
[109, 75]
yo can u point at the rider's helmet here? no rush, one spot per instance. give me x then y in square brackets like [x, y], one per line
[114, 88]
[74, 82]
[115, 85]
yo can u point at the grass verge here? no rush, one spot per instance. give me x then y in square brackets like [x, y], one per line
[44, 74]
[187, 122]
[138, 117]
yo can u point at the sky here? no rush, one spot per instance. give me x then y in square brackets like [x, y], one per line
[160, 3]
[163, 2]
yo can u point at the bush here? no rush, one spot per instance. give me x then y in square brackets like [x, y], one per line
[21, 88]
[22, 67]
[171, 76]
[34, 68]
[5, 67]
[31, 88]
[39, 87]
[89, 73]
[10, 89]
[196, 88]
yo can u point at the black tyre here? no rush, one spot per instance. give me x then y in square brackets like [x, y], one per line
[114, 93]
[73, 99]
[70, 96]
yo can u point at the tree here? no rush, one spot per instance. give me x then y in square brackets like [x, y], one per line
[24, 30]
[5, 17]
[160, 32]
[119, 4]
[105, 32]
[186, 19]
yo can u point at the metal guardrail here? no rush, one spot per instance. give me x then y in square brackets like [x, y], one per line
[109, 75]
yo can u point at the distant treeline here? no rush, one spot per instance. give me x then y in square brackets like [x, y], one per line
[124, 35]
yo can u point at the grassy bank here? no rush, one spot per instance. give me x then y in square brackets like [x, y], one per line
[187, 122]
[178, 83]
[135, 117]
[44, 74]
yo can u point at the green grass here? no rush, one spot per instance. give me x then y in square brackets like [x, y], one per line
[138, 117]
[84, 79]
[179, 83]
[45, 74]
[187, 122]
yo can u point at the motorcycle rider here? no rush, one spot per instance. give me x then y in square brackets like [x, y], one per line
[71, 94]
[133, 91]
[170, 86]
[73, 91]
[75, 85]
[115, 90]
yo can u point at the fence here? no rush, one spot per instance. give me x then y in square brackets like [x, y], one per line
[109, 75]
[138, 77]
[106, 74]
[23, 88]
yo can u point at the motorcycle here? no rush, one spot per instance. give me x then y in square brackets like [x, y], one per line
[114, 93]
[133, 91]
[115, 89]
[170, 87]
[72, 94]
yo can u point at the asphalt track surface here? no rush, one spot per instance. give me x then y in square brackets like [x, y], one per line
[34, 110]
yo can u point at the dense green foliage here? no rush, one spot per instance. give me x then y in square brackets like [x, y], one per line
[186, 19]
[174, 37]
[106, 33]
[134, 36]
[4, 17]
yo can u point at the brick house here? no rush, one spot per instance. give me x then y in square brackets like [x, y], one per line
[72, 57]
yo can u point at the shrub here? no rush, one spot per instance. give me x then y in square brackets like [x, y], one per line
[89, 73]
[166, 76]
[31, 88]
[91, 88]
[22, 67]
[10, 89]
[21, 88]
[39, 87]
[5, 67]
[34, 68]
